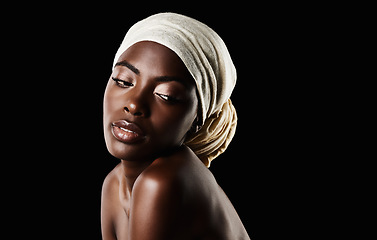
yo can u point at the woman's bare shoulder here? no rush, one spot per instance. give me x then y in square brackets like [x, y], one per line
[182, 176]
[159, 195]
[176, 168]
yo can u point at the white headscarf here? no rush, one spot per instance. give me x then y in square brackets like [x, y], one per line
[207, 59]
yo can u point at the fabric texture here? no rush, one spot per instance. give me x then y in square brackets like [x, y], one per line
[207, 58]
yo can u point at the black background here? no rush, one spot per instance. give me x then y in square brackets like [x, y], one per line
[63, 62]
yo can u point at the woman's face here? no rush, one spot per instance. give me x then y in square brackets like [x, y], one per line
[150, 103]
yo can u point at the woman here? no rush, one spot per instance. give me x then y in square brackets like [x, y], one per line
[166, 112]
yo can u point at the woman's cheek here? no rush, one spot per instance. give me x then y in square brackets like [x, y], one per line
[177, 125]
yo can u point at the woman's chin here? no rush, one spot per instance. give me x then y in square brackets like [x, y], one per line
[125, 151]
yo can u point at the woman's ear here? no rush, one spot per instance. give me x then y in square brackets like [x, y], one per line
[195, 127]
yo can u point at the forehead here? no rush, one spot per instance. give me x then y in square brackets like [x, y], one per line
[155, 59]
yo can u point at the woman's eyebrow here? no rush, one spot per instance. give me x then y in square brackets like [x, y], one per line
[124, 63]
[170, 79]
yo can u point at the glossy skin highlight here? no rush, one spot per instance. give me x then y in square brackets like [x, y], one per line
[160, 190]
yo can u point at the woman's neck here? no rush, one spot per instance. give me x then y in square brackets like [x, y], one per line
[132, 170]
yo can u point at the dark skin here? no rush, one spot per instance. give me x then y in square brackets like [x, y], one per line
[160, 190]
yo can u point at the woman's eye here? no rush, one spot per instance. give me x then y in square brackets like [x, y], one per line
[122, 83]
[167, 98]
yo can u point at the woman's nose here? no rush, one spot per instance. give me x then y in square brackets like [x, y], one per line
[136, 105]
[134, 110]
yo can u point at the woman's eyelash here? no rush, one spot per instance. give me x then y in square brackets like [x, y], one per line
[122, 83]
[167, 98]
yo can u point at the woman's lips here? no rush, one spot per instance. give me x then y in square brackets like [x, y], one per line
[127, 132]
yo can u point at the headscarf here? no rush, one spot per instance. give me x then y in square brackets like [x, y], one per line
[207, 59]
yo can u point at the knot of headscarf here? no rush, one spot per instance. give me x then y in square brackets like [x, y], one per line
[207, 59]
